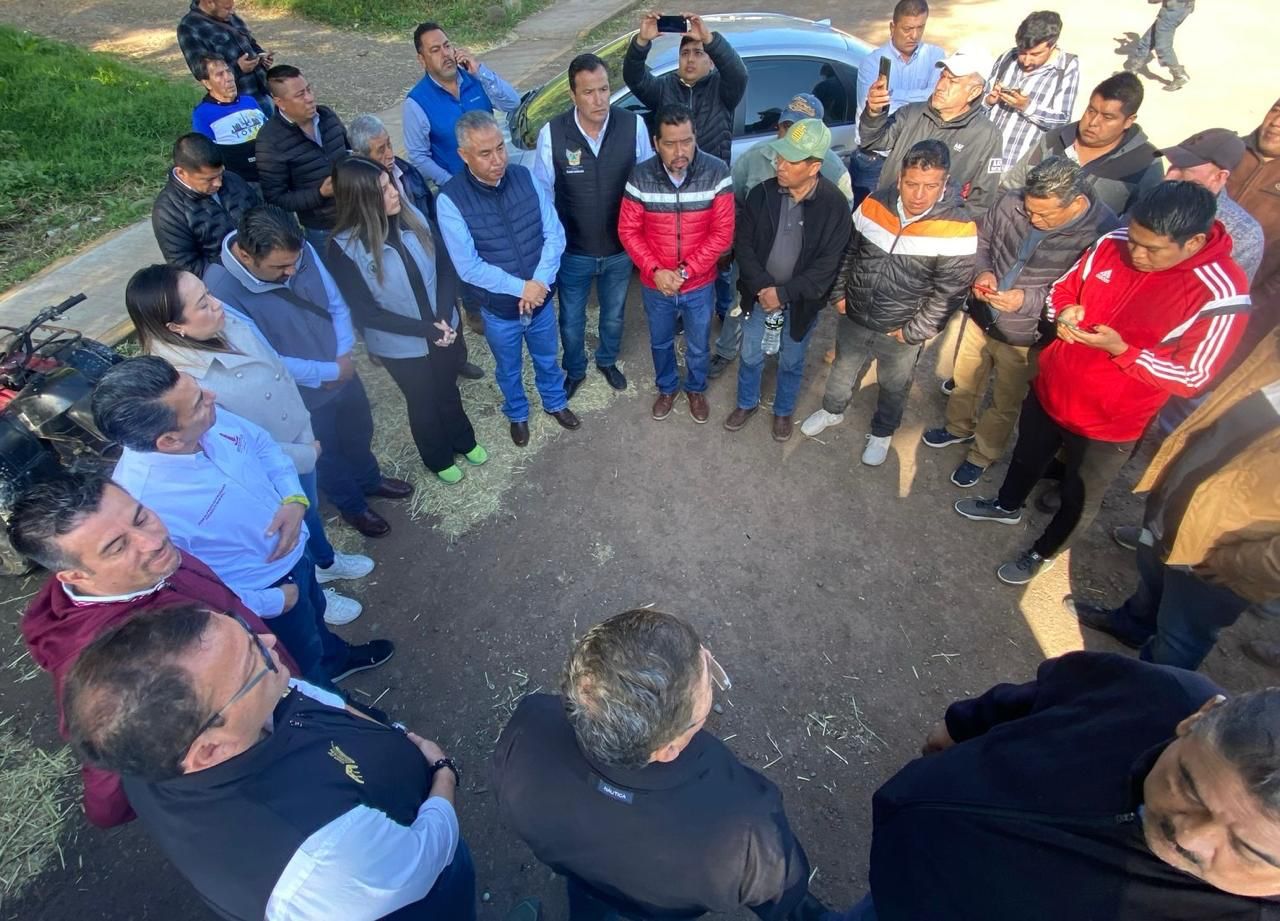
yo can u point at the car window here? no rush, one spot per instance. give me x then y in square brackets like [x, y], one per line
[553, 97]
[774, 82]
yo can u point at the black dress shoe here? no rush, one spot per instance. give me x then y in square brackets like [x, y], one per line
[571, 386]
[471, 372]
[617, 380]
[520, 433]
[391, 488]
[369, 523]
[1099, 618]
[566, 418]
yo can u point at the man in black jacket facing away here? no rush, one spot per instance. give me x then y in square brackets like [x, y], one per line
[1107, 788]
[616, 785]
[297, 149]
[1026, 242]
[789, 236]
[200, 204]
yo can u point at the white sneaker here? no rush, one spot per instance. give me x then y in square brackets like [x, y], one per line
[819, 422]
[339, 609]
[345, 566]
[877, 449]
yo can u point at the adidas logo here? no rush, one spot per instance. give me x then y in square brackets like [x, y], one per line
[1104, 276]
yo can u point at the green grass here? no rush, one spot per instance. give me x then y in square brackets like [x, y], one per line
[468, 22]
[84, 147]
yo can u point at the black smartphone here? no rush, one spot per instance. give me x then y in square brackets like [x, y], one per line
[673, 24]
[885, 65]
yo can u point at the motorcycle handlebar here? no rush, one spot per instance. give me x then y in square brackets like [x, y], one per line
[68, 304]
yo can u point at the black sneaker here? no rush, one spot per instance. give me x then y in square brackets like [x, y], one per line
[717, 366]
[1024, 568]
[941, 438]
[987, 510]
[967, 475]
[1096, 617]
[364, 657]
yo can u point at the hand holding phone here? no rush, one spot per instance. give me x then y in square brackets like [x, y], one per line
[677, 24]
[886, 64]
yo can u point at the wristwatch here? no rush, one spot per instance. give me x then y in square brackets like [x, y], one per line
[448, 763]
[684, 272]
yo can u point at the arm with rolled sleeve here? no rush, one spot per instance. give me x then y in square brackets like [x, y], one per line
[417, 142]
[462, 250]
[552, 238]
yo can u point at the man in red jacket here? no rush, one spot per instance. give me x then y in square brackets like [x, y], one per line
[676, 222]
[111, 557]
[1148, 312]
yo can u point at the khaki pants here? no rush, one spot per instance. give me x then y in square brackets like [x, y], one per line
[1014, 366]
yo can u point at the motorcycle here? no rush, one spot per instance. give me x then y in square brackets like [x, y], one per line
[47, 376]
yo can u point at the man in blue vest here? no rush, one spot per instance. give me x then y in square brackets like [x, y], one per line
[504, 237]
[584, 157]
[453, 82]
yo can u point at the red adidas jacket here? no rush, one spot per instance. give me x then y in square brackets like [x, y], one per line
[1181, 326]
[661, 226]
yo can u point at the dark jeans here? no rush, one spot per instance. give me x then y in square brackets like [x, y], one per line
[1159, 38]
[454, 893]
[347, 469]
[437, 421]
[585, 906]
[864, 173]
[1089, 467]
[856, 347]
[317, 541]
[612, 276]
[726, 290]
[1175, 615]
[319, 653]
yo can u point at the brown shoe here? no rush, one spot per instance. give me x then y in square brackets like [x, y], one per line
[566, 418]
[738, 418]
[781, 428]
[698, 407]
[391, 488]
[662, 405]
[369, 523]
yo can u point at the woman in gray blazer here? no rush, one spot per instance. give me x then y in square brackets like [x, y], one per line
[179, 320]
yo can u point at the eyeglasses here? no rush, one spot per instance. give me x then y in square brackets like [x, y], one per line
[270, 668]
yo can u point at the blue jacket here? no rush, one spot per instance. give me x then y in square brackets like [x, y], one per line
[444, 111]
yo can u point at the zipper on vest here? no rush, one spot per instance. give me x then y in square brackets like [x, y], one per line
[1112, 820]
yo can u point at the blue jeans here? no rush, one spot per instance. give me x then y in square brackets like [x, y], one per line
[347, 469]
[454, 892]
[790, 363]
[726, 289]
[317, 541]
[320, 654]
[613, 276]
[505, 337]
[730, 338]
[1159, 38]
[864, 173]
[695, 307]
[1174, 614]
[865, 910]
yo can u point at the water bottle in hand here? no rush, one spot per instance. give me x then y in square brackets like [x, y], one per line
[526, 317]
[772, 340]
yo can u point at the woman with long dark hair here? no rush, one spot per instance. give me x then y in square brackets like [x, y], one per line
[395, 275]
[179, 320]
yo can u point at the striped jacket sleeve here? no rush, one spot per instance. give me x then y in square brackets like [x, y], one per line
[1192, 354]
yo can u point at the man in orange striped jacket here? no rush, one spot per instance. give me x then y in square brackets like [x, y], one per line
[907, 268]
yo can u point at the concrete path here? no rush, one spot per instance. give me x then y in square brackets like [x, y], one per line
[102, 270]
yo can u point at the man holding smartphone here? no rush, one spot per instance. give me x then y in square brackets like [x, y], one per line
[212, 29]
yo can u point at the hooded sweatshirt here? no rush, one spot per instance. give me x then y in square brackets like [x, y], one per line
[57, 628]
[1181, 325]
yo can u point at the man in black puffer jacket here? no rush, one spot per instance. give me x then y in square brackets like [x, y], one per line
[297, 149]
[1027, 242]
[711, 94]
[200, 204]
[906, 270]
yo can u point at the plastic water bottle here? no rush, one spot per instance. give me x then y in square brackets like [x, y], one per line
[772, 340]
[525, 319]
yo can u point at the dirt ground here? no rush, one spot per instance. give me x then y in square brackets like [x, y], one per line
[850, 605]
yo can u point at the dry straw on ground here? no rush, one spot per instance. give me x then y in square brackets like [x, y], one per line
[37, 799]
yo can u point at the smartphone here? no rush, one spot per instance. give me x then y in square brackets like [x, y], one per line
[885, 65]
[673, 24]
[983, 289]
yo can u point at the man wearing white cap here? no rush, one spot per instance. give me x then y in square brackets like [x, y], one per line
[954, 116]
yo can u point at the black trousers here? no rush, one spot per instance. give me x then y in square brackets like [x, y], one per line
[1090, 466]
[437, 421]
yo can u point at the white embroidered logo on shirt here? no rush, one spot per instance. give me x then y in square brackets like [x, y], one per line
[1104, 276]
[996, 165]
[957, 147]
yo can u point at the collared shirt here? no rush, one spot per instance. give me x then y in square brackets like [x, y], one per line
[1051, 89]
[788, 237]
[909, 81]
[544, 169]
[363, 864]
[676, 181]
[76, 597]
[486, 276]
[218, 502]
[417, 126]
[314, 136]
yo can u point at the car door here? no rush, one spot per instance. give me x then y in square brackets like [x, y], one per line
[775, 80]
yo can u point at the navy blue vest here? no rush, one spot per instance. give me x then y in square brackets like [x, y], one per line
[443, 112]
[506, 225]
[232, 829]
[589, 189]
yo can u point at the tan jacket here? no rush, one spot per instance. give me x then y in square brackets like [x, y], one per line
[1230, 533]
[1255, 185]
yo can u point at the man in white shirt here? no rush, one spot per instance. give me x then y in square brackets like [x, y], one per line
[271, 796]
[230, 497]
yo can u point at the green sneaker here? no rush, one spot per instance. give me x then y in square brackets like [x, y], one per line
[451, 474]
[477, 455]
